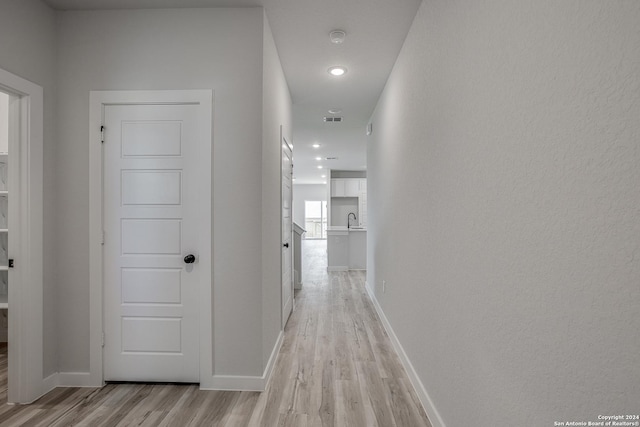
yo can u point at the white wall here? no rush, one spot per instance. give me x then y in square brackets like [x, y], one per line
[277, 112]
[508, 132]
[220, 49]
[303, 192]
[27, 49]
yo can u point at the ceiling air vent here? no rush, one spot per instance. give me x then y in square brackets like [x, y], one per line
[331, 158]
[333, 119]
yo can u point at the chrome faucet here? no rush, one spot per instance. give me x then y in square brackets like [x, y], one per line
[349, 219]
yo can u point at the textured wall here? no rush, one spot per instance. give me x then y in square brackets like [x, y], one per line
[219, 49]
[276, 113]
[509, 133]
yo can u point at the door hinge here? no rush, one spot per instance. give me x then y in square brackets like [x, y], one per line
[102, 134]
[102, 240]
[102, 339]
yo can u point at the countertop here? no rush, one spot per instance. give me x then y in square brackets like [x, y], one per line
[344, 228]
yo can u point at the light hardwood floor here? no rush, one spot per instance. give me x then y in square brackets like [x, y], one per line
[336, 368]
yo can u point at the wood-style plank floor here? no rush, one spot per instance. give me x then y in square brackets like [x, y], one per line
[336, 368]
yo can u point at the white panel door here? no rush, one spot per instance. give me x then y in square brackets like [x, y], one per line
[150, 225]
[287, 230]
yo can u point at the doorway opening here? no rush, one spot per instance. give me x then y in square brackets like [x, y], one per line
[21, 237]
[315, 221]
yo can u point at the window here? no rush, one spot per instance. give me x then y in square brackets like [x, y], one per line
[315, 220]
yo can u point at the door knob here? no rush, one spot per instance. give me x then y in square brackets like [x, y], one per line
[286, 245]
[190, 259]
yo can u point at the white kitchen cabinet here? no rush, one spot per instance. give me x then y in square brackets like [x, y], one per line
[338, 187]
[351, 187]
[347, 187]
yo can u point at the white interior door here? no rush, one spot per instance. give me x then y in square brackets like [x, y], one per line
[287, 229]
[150, 232]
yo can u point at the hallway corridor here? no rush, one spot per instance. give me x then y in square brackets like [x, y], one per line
[336, 368]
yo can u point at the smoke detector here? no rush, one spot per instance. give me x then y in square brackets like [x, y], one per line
[337, 36]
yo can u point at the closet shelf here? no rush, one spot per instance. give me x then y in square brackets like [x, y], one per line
[4, 268]
[4, 301]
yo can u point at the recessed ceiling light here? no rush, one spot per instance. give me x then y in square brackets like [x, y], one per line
[324, 182]
[335, 111]
[337, 36]
[320, 167]
[323, 176]
[337, 71]
[318, 158]
[316, 145]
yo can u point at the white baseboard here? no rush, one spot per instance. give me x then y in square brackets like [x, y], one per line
[247, 383]
[66, 379]
[219, 382]
[236, 383]
[75, 379]
[423, 396]
[268, 370]
[50, 383]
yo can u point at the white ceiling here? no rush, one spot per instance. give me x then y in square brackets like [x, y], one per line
[375, 32]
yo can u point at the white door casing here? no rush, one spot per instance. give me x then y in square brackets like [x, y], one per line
[155, 210]
[25, 329]
[287, 230]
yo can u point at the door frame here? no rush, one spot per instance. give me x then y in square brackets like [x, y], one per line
[98, 100]
[293, 300]
[25, 330]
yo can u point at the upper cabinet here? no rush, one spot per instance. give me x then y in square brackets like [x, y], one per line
[348, 187]
[351, 187]
[337, 187]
